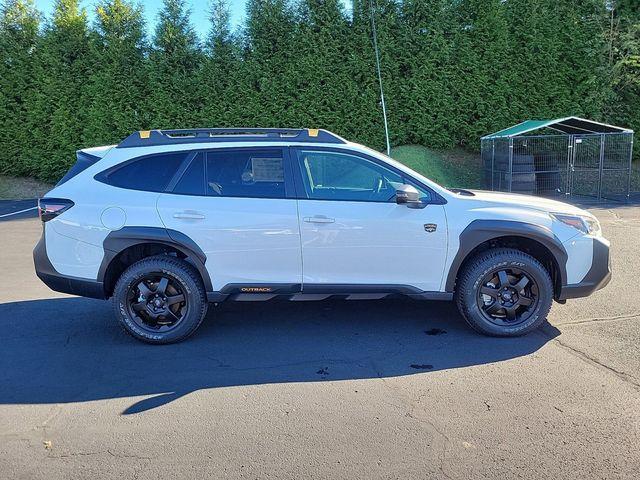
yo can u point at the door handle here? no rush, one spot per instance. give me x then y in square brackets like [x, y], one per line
[188, 215]
[319, 219]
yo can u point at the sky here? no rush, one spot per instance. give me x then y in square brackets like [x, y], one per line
[199, 12]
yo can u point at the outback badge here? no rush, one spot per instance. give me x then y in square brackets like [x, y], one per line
[430, 227]
[256, 289]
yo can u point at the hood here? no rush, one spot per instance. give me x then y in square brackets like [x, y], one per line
[527, 201]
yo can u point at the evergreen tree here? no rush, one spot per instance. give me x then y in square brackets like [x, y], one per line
[557, 57]
[118, 86]
[321, 86]
[19, 21]
[266, 68]
[363, 114]
[173, 65]
[482, 70]
[57, 107]
[627, 78]
[582, 57]
[534, 59]
[624, 40]
[428, 63]
[225, 92]
[452, 71]
[389, 30]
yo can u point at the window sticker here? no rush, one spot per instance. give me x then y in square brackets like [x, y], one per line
[267, 169]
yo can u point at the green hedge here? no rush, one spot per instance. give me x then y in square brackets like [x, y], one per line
[452, 71]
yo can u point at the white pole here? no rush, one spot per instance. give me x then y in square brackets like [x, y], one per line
[375, 47]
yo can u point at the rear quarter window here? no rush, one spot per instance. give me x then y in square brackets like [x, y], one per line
[151, 173]
[83, 161]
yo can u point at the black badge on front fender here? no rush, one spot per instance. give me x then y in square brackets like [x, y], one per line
[430, 227]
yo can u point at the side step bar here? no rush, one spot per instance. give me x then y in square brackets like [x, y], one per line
[291, 293]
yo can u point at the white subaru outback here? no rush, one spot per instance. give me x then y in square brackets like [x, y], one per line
[171, 220]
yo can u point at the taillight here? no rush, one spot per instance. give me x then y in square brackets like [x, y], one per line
[49, 208]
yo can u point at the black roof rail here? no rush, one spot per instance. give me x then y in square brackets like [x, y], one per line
[149, 138]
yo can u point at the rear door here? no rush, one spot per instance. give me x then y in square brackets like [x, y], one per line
[355, 235]
[238, 206]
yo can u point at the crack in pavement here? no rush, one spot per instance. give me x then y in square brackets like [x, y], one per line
[101, 452]
[411, 410]
[594, 362]
[442, 457]
[615, 215]
[630, 316]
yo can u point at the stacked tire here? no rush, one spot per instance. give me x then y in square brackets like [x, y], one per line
[523, 175]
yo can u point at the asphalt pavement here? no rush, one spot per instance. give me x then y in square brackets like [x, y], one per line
[383, 389]
[18, 209]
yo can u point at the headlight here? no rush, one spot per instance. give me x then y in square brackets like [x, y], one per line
[588, 225]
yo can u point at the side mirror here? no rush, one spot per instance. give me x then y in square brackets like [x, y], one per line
[409, 196]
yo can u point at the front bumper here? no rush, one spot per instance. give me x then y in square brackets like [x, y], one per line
[63, 283]
[598, 276]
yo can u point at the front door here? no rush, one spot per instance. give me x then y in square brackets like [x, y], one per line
[234, 204]
[354, 234]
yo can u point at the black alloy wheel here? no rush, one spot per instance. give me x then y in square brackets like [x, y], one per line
[157, 302]
[160, 299]
[508, 296]
[504, 292]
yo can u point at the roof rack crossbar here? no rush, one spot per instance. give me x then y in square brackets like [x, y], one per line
[150, 138]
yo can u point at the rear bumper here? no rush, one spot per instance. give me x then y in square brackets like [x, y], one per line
[598, 276]
[62, 283]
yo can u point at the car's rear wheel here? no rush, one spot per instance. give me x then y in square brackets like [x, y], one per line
[160, 299]
[504, 292]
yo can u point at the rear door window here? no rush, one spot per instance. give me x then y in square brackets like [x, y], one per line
[151, 173]
[192, 181]
[246, 173]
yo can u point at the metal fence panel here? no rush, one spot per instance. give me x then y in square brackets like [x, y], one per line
[585, 166]
[592, 165]
[617, 168]
[634, 181]
[617, 151]
[495, 156]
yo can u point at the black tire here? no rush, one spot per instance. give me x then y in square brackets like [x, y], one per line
[521, 164]
[183, 286]
[486, 313]
[521, 179]
[523, 183]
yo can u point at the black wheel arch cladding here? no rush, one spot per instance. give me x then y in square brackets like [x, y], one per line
[481, 231]
[118, 241]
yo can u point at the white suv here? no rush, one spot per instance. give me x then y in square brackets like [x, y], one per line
[171, 220]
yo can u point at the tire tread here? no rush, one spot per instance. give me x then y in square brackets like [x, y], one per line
[166, 262]
[482, 259]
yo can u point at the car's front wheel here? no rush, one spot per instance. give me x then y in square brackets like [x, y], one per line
[160, 299]
[504, 292]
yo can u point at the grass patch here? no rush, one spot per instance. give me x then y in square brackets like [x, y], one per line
[18, 188]
[452, 168]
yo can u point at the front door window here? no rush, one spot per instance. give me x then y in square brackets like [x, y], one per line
[328, 175]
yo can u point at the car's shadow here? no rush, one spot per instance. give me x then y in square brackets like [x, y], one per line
[71, 349]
